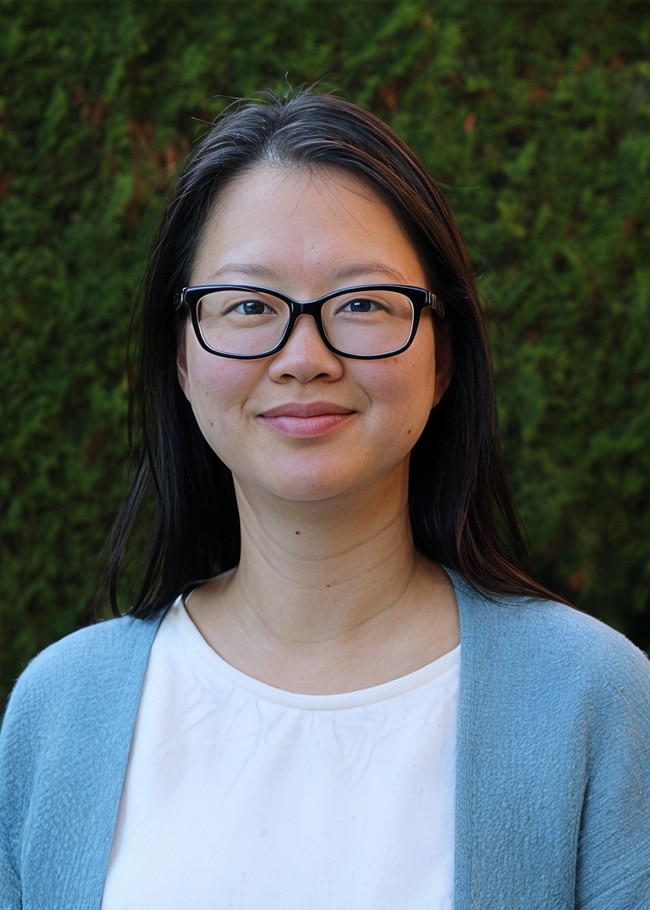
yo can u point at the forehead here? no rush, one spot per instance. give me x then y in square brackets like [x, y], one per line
[286, 218]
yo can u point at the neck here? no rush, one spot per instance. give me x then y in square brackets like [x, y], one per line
[322, 569]
[328, 596]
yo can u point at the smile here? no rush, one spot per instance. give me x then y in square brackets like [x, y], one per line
[305, 420]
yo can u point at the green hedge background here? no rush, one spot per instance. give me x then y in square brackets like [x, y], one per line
[533, 115]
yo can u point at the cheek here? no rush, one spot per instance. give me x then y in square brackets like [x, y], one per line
[404, 393]
[215, 386]
[412, 380]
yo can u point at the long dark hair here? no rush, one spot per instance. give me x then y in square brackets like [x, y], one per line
[461, 508]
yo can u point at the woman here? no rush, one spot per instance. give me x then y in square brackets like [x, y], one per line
[318, 423]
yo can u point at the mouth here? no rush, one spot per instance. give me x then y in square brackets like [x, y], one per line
[306, 410]
[305, 420]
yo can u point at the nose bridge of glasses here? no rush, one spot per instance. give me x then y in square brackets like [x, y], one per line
[311, 308]
[307, 308]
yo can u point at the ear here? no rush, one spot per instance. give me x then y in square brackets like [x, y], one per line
[181, 368]
[444, 359]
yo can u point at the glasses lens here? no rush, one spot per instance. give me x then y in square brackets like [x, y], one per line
[368, 321]
[242, 322]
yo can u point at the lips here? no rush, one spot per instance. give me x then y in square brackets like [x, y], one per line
[306, 419]
[305, 410]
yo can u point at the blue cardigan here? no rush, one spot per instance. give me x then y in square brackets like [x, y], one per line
[553, 767]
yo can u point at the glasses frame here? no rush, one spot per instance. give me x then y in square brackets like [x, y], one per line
[420, 299]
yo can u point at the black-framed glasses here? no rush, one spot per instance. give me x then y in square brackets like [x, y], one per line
[366, 322]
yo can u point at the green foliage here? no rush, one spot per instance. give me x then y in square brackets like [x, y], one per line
[534, 115]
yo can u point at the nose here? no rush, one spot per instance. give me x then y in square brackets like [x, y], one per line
[305, 355]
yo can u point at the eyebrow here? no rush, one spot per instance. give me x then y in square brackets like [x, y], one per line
[241, 268]
[353, 271]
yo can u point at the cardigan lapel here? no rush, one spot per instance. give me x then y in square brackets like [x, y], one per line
[521, 751]
[88, 763]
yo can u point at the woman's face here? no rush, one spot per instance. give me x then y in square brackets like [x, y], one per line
[305, 423]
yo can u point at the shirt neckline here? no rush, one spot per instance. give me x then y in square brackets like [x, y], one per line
[214, 666]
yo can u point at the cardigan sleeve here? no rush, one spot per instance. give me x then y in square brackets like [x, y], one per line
[64, 747]
[613, 868]
[553, 785]
[9, 880]
[14, 752]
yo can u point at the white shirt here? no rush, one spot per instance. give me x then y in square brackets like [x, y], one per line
[241, 795]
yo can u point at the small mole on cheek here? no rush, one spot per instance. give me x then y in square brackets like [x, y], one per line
[297, 532]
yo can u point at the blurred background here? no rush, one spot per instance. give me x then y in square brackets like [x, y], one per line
[534, 116]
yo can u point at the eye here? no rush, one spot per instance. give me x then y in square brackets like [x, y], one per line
[252, 307]
[361, 305]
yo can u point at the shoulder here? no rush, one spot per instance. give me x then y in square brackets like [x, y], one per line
[106, 646]
[75, 701]
[82, 665]
[551, 644]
